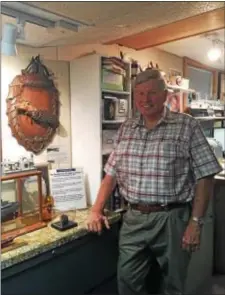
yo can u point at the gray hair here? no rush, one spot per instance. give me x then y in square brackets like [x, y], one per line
[151, 74]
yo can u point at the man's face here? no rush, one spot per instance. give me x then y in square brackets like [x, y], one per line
[149, 98]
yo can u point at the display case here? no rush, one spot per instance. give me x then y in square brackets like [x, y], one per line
[21, 204]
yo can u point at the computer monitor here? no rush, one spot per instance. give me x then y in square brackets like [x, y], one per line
[207, 127]
[219, 135]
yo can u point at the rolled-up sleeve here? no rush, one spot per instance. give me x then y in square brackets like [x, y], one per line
[203, 160]
[110, 166]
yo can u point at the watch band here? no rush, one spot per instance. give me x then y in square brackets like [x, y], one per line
[198, 220]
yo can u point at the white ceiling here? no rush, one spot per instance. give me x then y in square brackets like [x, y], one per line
[112, 19]
[196, 48]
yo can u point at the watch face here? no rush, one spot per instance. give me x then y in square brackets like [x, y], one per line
[199, 221]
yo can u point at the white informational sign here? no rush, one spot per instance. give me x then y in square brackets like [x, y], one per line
[67, 189]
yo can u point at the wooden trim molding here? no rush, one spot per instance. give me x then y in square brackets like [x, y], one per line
[193, 63]
[185, 28]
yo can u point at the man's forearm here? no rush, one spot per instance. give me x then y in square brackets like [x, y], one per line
[203, 193]
[106, 188]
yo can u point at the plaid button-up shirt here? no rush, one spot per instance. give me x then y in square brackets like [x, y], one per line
[161, 165]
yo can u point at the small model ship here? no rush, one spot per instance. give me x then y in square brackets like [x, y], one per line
[8, 209]
[22, 165]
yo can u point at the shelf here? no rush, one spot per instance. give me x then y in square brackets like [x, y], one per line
[209, 118]
[113, 121]
[106, 153]
[177, 88]
[116, 92]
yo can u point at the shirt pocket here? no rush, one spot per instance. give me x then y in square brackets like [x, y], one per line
[164, 162]
[172, 156]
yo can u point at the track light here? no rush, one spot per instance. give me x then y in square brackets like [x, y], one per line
[10, 34]
[8, 44]
[20, 28]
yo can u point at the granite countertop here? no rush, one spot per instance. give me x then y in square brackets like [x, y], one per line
[47, 238]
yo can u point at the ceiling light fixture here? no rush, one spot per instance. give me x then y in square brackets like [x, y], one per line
[11, 33]
[39, 16]
[20, 28]
[8, 44]
[214, 54]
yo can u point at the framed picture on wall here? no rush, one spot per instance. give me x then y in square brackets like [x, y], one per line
[174, 73]
[173, 102]
[221, 86]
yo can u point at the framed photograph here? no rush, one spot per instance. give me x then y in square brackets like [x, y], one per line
[173, 102]
[174, 73]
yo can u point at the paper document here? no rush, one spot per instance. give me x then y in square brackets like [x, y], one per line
[67, 189]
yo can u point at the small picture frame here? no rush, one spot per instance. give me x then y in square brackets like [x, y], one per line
[173, 102]
[174, 73]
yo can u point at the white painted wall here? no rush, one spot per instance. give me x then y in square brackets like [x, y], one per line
[86, 129]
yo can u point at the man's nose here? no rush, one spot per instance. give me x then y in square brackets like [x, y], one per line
[147, 99]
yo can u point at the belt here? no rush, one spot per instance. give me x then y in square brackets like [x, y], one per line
[148, 208]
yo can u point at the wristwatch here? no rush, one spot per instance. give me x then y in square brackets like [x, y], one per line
[198, 220]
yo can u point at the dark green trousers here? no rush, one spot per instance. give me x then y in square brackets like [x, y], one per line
[146, 237]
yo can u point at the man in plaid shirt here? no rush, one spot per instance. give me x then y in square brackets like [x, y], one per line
[163, 164]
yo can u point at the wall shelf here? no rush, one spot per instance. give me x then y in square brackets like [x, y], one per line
[210, 118]
[180, 89]
[116, 92]
[113, 121]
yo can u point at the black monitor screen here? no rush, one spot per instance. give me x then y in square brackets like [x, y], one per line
[207, 127]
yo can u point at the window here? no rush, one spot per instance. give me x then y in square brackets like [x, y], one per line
[201, 81]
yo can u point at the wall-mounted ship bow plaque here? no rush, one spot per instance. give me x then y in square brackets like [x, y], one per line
[33, 107]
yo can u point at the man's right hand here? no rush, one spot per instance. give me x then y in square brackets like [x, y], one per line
[96, 220]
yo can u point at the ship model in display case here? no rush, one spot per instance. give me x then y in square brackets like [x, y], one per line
[8, 210]
[16, 217]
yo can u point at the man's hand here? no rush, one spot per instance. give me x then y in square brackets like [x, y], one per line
[192, 237]
[95, 222]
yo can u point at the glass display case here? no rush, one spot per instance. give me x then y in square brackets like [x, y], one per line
[21, 204]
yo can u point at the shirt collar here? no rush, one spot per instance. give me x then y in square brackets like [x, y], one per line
[167, 117]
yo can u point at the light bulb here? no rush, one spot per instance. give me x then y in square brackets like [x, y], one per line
[214, 54]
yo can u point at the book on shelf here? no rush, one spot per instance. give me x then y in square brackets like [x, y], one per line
[114, 74]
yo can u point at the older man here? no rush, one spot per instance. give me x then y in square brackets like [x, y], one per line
[161, 162]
